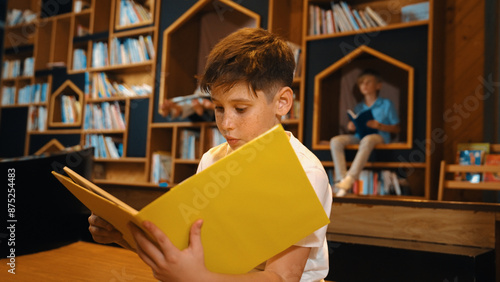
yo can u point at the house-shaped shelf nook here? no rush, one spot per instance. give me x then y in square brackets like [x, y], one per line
[187, 42]
[335, 92]
[66, 106]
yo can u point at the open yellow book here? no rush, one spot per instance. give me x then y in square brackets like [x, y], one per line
[255, 203]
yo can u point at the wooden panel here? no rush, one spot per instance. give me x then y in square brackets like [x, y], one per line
[464, 64]
[455, 227]
[82, 261]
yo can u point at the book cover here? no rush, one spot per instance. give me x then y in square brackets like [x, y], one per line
[360, 120]
[491, 159]
[471, 157]
[247, 219]
[463, 157]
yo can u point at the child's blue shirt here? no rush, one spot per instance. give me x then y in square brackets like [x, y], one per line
[383, 111]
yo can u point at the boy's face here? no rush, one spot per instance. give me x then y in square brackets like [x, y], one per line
[241, 116]
[368, 85]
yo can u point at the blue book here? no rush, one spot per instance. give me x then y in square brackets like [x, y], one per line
[360, 121]
[349, 15]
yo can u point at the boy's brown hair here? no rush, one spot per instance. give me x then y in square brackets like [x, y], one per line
[251, 55]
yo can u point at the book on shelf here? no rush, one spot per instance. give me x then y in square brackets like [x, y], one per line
[11, 69]
[383, 182]
[339, 16]
[80, 5]
[415, 12]
[235, 205]
[105, 146]
[130, 50]
[100, 54]
[70, 109]
[28, 66]
[133, 13]
[104, 86]
[161, 168]
[375, 16]
[471, 154]
[17, 16]
[37, 118]
[33, 93]
[360, 121]
[8, 95]
[297, 53]
[347, 11]
[105, 115]
[214, 137]
[491, 159]
[189, 140]
[79, 59]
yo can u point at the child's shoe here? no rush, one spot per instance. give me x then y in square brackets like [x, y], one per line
[344, 185]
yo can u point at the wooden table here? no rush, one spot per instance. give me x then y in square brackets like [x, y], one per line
[80, 261]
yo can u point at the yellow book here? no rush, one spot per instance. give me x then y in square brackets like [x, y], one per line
[255, 203]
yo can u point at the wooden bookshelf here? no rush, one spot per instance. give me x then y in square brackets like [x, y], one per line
[331, 55]
[57, 106]
[53, 39]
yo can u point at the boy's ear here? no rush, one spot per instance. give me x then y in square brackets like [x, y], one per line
[284, 101]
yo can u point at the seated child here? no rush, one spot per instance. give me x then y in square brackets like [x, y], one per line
[248, 75]
[386, 121]
[194, 107]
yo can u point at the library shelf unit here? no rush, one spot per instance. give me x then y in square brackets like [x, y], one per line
[65, 113]
[184, 53]
[328, 92]
[416, 44]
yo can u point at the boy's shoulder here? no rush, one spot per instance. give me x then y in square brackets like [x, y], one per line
[306, 157]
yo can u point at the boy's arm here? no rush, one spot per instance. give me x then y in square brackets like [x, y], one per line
[171, 264]
[383, 127]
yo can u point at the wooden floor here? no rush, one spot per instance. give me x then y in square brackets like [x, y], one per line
[80, 261]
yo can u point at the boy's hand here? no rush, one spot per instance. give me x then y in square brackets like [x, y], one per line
[102, 231]
[166, 260]
[373, 124]
[351, 126]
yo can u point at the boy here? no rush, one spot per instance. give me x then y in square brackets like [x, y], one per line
[248, 75]
[385, 120]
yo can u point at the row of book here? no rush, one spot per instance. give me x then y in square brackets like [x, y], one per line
[104, 115]
[16, 17]
[477, 154]
[13, 68]
[340, 17]
[70, 109]
[8, 95]
[123, 51]
[189, 140]
[33, 93]
[102, 86]
[131, 50]
[37, 118]
[132, 13]
[161, 168]
[377, 182]
[105, 146]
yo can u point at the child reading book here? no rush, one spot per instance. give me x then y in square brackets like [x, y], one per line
[248, 75]
[382, 121]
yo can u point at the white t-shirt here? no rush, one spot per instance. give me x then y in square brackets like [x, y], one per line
[317, 264]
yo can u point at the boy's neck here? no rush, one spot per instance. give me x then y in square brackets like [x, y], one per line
[370, 99]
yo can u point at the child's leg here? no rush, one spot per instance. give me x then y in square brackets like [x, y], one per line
[366, 146]
[337, 145]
